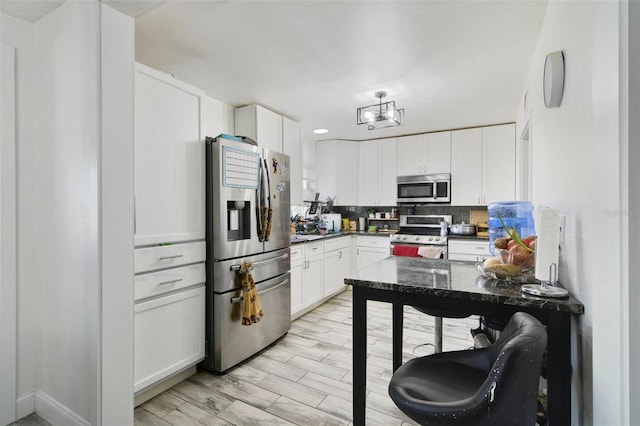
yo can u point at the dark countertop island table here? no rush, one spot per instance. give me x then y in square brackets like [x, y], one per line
[448, 284]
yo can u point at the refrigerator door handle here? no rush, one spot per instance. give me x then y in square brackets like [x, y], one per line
[259, 202]
[280, 284]
[267, 225]
[260, 262]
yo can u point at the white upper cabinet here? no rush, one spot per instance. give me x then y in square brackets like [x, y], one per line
[338, 173]
[261, 125]
[292, 146]
[169, 160]
[483, 165]
[411, 155]
[466, 167]
[438, 152]
[377, 172]
[499, 163]
[424, 154]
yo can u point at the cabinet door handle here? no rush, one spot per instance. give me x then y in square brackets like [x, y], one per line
[340, 255]
[160, 284]
[175, 256]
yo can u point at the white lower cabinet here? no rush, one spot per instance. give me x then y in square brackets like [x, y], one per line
[337, 264]
[307, 261]
[168, 335]
[470, 251]
[372, 249]
[169, 312]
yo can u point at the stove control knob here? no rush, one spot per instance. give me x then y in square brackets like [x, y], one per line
[436, 239]
[404, 237]
[430, 238]
[417, 238]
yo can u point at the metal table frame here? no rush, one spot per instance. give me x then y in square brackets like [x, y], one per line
[558, 325]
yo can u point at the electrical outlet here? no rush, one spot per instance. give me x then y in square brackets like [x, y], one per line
[563, 225]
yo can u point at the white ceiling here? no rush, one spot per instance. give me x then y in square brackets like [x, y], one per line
[449, 64]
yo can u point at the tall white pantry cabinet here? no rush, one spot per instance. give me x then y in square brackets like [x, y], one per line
[169, 296]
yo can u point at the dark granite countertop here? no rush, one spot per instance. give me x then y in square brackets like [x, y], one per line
[315, 237]
[454, 280]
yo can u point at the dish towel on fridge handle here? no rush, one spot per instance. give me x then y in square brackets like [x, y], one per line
[251, 309]
[430, 252]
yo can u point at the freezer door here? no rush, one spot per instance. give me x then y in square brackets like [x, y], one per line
[222, 276]
[277, 168]
[234, 342]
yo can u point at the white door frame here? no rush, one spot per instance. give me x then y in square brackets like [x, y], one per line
[8, 286]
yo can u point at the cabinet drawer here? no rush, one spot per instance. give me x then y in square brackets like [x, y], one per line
[479, 248]
[314, 248]
[466, 257]
[161, 257]
[297, 252]
[366, 241]
[157, 283]
[336, 243]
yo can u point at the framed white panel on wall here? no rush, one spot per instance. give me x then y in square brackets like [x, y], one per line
[169, 160]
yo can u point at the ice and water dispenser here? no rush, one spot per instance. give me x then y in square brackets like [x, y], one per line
[238, 220]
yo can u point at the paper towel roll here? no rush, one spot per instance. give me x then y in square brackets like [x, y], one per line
[548, 242]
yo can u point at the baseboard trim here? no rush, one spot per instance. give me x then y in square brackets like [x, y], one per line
[55, 413]
[156, 389]
[25, 404]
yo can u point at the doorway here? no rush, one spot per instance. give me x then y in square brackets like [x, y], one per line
[525, 164]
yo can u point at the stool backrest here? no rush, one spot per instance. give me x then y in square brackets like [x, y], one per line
[517, 356]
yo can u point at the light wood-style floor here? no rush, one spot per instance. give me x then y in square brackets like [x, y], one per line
[306, 377]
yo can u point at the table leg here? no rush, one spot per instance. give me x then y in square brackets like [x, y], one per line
[359, 355]
[398, 318]
[559, 368]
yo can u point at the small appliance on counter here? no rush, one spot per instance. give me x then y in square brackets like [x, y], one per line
[333, 221]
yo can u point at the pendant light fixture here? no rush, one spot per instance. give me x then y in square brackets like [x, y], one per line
[383, 114]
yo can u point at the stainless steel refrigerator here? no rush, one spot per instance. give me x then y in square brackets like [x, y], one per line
[245, 183]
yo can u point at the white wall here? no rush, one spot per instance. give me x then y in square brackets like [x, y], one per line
[575, 167]
[633, 125]
[217, 118]
[19, 34]
[66, 167]
[115, 367]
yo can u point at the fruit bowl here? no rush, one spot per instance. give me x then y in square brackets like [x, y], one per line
[517, 264]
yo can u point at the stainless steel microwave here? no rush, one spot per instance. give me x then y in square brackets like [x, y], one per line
[424, 189]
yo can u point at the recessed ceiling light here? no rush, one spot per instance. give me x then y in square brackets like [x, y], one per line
[320, 131]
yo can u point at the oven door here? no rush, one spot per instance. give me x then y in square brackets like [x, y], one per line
[419, 250]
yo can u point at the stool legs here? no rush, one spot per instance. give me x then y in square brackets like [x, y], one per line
[437, 346]
[438, 333]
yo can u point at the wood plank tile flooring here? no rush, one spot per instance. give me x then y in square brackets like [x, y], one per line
[305, 378]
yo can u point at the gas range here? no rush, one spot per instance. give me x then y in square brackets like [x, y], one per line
[433, 240]
[422, 230]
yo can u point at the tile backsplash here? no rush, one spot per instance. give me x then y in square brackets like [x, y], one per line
[459, 213]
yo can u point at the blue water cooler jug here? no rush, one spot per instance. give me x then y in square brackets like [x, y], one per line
[516, 215]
